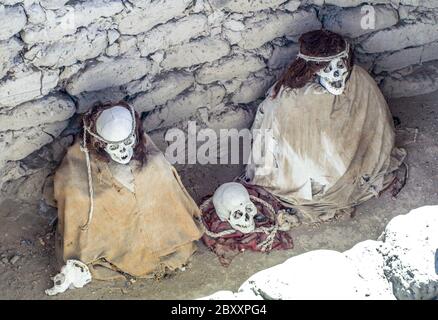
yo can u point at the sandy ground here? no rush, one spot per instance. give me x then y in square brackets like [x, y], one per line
[26, 243]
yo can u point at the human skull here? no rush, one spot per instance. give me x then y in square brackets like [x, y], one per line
[116, 124]
[74, 274]
[121, 152]
[232, 203]
[334, 76]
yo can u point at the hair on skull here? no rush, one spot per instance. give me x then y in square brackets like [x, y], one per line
[318, 43]
[98, 146]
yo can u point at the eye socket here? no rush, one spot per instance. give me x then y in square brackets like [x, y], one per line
[340, 65]
[328, 69]
[130, 141]
[248, 208]
[113, 147]
[237, 214]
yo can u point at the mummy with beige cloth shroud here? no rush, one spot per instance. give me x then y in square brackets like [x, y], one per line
[331, 144]
[122, 209]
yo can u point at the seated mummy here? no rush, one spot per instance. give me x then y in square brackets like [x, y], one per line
[323, 139]
[122, 208]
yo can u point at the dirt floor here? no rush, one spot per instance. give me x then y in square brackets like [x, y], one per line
[26, 242]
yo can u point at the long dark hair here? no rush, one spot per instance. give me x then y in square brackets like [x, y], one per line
[318, 43]
[97, 147]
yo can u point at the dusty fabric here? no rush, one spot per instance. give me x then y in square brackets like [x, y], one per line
[122, 174]
[330, 153]
[138, 234]
[227, 247]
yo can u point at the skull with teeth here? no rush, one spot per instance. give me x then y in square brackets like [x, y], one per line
[334, 76]
[116, 126]
[233, 204]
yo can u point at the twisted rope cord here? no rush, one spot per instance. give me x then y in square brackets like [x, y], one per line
[270, 231]
[214, 235]
[90, 180]
[87, 158]
[342, 54]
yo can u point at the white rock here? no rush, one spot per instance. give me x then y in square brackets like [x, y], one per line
[402, 264]
[86, 100]
[172, 33]
[404, 36]
[68, 19]
[230, 117]
[25, 85]
[51, 108]
[348, 22]
[195, 52]
[254, 88]
[276, 25]
[354, 3]
[420, 3]
[128, 46]
[430, 52]
[113, 35]
[149, 14]
[163, 89]
[319, 274]
[9, 49]
[69, 71]
[232, 85]
[406, 57]
[234, 25]
[109, 73]
[283, 56]
[53, 4]
[245, 6]
[17, 145]
[292, 5]
[10, 171]
[238, 66]
[367, 259]
[35, 14]
[418, 80]
[86, 12]
[12, 20]
[232, 37]
[399, 59]
[81, 46]
[412, 254]
[183, 107]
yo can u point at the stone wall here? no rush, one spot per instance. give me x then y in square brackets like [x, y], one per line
[174, 60]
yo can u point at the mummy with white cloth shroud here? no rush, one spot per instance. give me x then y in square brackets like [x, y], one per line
[332, 133]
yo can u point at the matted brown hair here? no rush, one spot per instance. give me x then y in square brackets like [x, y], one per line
[97, 146]
[318, 43]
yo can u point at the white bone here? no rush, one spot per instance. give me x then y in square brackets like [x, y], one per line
[232, 203]
[74, 274]
[115, 124]
[334, 76]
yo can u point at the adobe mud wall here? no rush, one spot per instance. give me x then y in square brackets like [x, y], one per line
[175, 60]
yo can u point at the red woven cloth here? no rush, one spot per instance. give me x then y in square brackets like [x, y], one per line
[227, 247]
